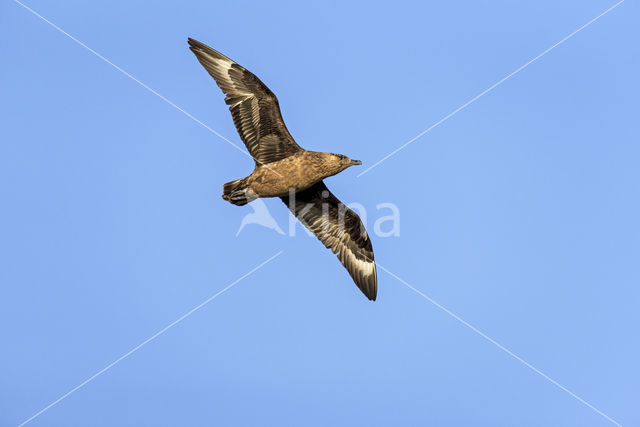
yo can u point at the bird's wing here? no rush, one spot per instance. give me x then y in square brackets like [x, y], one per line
[341, 230]
[253, 106]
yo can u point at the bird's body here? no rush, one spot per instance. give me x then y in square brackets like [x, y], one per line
[294, 173]
[284, 169]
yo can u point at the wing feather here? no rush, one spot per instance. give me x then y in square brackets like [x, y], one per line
[254, 108]
[339, 229]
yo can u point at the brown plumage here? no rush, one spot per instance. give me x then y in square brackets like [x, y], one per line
[284, 169]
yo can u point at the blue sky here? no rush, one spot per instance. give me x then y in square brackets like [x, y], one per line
[519, 214]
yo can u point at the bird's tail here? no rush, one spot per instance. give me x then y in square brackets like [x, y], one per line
[237, 192]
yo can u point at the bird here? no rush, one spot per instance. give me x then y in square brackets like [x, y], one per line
[284, 169]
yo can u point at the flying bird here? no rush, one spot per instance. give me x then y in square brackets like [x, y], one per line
[284, 169]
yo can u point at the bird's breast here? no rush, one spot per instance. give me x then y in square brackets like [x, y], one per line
[277, 179]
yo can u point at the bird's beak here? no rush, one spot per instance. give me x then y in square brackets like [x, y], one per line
[355, 162]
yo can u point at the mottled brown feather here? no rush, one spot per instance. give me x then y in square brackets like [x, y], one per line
[254, 108]
[339, 229]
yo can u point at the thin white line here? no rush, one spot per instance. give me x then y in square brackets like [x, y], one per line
[127, 74]
[489, 89]
[137, 81]
[500, 346]
[148, 340]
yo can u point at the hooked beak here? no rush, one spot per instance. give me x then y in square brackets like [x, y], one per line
[355, 162]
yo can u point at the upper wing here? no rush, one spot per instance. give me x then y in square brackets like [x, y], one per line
[341, 230]
[253, 106]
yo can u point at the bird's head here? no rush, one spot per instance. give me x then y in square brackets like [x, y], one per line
[339, 162]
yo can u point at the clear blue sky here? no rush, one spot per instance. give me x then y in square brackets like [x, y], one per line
[519, 214]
